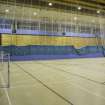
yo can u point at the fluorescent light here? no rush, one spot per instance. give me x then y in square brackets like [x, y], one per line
[50, 4]
[7, 10]
[93, 21]
[34, 13]
[75, 18]
[79, 8]
[98, 11]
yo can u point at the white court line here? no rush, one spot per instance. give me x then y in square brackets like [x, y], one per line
[76, 85]
[87, 90]
[6, 92]
[80, 87]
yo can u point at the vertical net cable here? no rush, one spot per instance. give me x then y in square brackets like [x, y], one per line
[101, 36]
[102, 32]
[4, 70]
[22, 17]
[4, 56]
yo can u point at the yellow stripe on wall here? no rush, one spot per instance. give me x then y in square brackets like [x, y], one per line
[24, 40]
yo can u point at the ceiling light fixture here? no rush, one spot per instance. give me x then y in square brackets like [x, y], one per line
[50, 4]
[98, 11]
[79, 8]
[34, 13]
[7, 10]
[75, 18]
[93, 21]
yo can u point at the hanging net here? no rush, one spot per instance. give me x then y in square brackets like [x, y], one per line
[4, 70]
[55, 29]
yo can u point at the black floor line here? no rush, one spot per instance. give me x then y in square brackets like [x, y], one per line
[69, 102]
[59, 69]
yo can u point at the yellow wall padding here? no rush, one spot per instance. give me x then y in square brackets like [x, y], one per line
[24, 40]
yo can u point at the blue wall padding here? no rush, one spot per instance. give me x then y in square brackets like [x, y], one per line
[50, 50]
[36, 52]
[0, 48]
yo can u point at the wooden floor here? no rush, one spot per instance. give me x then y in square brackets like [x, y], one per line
[56, 82]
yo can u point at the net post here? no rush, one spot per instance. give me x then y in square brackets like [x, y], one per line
[8, 70]
[5, 70]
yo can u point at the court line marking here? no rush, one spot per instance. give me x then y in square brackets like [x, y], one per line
[22, 86]
[59, 69]
[66, 100]
[86, 90]
[6, 92]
